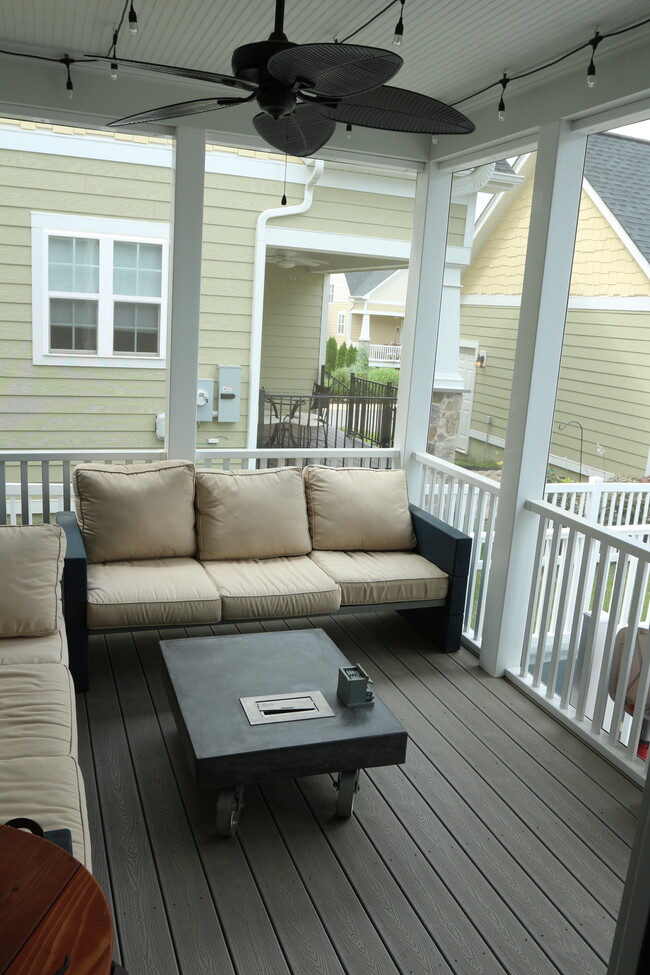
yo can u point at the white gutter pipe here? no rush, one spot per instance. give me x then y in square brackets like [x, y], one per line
[259, 273]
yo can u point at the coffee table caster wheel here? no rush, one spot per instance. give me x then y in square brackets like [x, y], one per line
[229, 805]
[347, 785]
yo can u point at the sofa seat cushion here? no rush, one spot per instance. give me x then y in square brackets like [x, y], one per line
[251, 514]
[52, 649]
[49, 789]
[150, 592]
[31, 566]
[269, 588]
[367, 578]
[37, 711]
[136, 511]
[358, 508]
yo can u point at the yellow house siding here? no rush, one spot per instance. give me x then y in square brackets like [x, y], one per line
[51, 406]
[360, 214]
[293, 299]
[393, 290]
[602, 264]
[456, 227]
[603, 382]
[497, 329]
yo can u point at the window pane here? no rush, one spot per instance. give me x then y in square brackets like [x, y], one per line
[137, 269]
[136, 328]
[74, 264]
[73, 325]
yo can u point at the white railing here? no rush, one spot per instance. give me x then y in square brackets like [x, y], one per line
[34, 485]
[606, 503]
[588, 583]
[468, 501]
[385, 355]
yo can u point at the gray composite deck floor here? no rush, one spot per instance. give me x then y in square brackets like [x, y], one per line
[501, 846]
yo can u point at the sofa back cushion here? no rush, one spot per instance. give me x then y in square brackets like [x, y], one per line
[31, 564]
[358, 509]
[251, 514]
[139, 511]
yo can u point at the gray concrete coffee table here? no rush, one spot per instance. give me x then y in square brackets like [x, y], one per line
[206, 678]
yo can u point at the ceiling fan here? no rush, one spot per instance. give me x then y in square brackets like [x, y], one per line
[303, 90]
[285, 258]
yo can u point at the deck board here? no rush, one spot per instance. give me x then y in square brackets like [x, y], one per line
[499, 847]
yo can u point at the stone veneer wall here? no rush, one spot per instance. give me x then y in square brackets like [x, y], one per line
[444, 421]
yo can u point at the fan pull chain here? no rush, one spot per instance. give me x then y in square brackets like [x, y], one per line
[283, 201]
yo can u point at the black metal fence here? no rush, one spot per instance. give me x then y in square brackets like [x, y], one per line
[325, 419]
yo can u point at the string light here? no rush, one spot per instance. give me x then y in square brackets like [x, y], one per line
[591, 70]
[501, 111]
[133, 20]
[434, 139]
[398, 36]
[68, 85]
[113, 53]
[348, 131]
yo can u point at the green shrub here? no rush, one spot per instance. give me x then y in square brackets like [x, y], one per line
[342, 356]
[342, 374]
[384, 374]
[351, 357]
[331, 350]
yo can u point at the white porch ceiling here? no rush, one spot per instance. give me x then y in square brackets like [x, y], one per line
[451, 47]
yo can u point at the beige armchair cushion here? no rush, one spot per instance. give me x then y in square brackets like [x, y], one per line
[139, 511]
[37, 711]
[357, 508]
[369, 578]
[251, 514]
[31, 564]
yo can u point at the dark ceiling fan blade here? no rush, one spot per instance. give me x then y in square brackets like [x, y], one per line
[194, 107]
[215, 77]
[334, 69]
[301, 133]
[398, 110]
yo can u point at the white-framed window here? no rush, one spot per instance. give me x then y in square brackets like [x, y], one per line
[340, 324]
[331, 292]
[99, 291]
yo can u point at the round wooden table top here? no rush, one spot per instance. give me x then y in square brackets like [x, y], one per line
[53, 914]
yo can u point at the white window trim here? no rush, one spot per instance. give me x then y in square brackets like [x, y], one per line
[341, 322]
[105, 230]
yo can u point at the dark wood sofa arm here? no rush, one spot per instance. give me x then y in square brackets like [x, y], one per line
[449, 549]
[75, 595]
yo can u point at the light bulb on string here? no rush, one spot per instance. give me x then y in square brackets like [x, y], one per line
[434, 140]
[113, 71]
[69, 87]
[501, 109]
[398, 36]
[348, 131]
[133, 20]
[591, 70]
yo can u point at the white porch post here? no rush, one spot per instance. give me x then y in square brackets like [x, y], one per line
[422, 315]
[183, 341]
[547, 275]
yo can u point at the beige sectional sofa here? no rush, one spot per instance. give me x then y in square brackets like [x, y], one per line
[40, 777]
[167, 544]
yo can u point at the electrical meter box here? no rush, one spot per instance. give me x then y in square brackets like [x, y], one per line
[228, 394]
[204, 399]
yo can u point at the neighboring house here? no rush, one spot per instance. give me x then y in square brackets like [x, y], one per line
[84, 236]
[368, 306]
[604, 392]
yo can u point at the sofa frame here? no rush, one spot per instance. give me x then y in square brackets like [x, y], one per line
[440, 620]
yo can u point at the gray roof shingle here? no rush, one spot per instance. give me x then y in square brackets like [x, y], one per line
[362, 282]
[618, 168]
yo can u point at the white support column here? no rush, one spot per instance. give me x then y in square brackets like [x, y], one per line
[183, 340]
[422, 314]
[547, 275]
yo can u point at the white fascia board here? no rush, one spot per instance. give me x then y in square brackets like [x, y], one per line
[459, 256]
[617, 227]
[277, 236]
[109, 148]
[577, 302]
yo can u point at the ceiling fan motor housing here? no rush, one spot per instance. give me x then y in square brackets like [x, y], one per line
[249, 64]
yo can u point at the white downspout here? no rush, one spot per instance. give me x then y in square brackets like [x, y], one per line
[259, 273]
